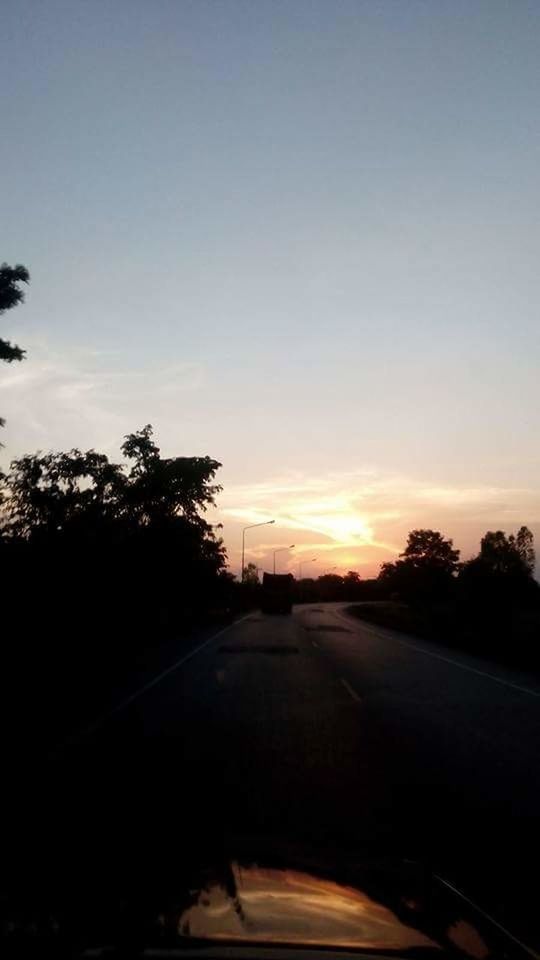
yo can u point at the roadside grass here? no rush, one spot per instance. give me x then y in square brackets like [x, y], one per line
[507, 636]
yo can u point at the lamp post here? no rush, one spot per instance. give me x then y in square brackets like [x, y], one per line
[265, 523]
[279, 550]
[301, 564]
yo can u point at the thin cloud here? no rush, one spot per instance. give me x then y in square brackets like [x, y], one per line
[53, 403]
[364, 516]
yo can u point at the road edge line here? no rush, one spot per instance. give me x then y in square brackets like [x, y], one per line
[437, 656]
[352, 693]
[127, 701]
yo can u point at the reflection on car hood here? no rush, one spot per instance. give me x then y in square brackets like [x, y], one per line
[288, 906]
[266, 907]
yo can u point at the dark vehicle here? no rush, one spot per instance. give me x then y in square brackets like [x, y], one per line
[276, 594]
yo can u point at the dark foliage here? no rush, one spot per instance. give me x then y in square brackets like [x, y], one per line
[497, 593]
[490, 604]
[100, 560]
[425, 570]
[250, 576]
[333, 587]
[10, 295]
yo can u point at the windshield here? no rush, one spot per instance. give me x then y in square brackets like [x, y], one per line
[269, 476]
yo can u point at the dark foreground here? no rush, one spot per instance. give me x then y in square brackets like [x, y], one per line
[311, 733]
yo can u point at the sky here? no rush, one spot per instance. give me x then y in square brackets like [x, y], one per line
[300, 237]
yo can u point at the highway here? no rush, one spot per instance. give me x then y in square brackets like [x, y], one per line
[312, 731]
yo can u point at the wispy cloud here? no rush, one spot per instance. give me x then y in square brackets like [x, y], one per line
[86, 399]
[352, 518]
[363, 517]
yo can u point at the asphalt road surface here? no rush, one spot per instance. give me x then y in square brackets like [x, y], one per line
[312, 730]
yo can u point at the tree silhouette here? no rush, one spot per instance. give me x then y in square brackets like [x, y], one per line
[10, 295]
[428, 548]
[505, 558]
[52, 492]
[497, 587]
[251, 575]
[137, 528]
[160, 489]
[497, 553]
[55, 493]
[525, 549]
[426, 568]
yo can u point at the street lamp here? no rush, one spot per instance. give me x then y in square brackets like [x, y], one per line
[301, 564]
[279, 549]
[265, 523]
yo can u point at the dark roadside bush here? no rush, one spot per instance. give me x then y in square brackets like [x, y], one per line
[101, 563]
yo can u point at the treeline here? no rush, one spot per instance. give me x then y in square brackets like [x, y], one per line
[327, 587]
[488, 604]
[334, 587]
[110, 545]
[100, 563]
[100, 560]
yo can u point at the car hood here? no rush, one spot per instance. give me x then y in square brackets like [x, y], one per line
[271, 904]
[386, 907]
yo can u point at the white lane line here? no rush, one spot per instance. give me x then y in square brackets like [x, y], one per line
[487, 916]
[438, 656]
[350, 690]
[95, 724]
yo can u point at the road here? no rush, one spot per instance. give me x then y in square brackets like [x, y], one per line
[315, 731]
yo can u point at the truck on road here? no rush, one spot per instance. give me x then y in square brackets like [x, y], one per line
[276, 594]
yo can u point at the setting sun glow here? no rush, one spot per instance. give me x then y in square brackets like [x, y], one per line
[346, 529]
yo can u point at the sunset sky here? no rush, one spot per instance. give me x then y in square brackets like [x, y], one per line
[300, 237]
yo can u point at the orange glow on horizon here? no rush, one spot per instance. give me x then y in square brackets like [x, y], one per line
[359, 520]
[344, 528]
